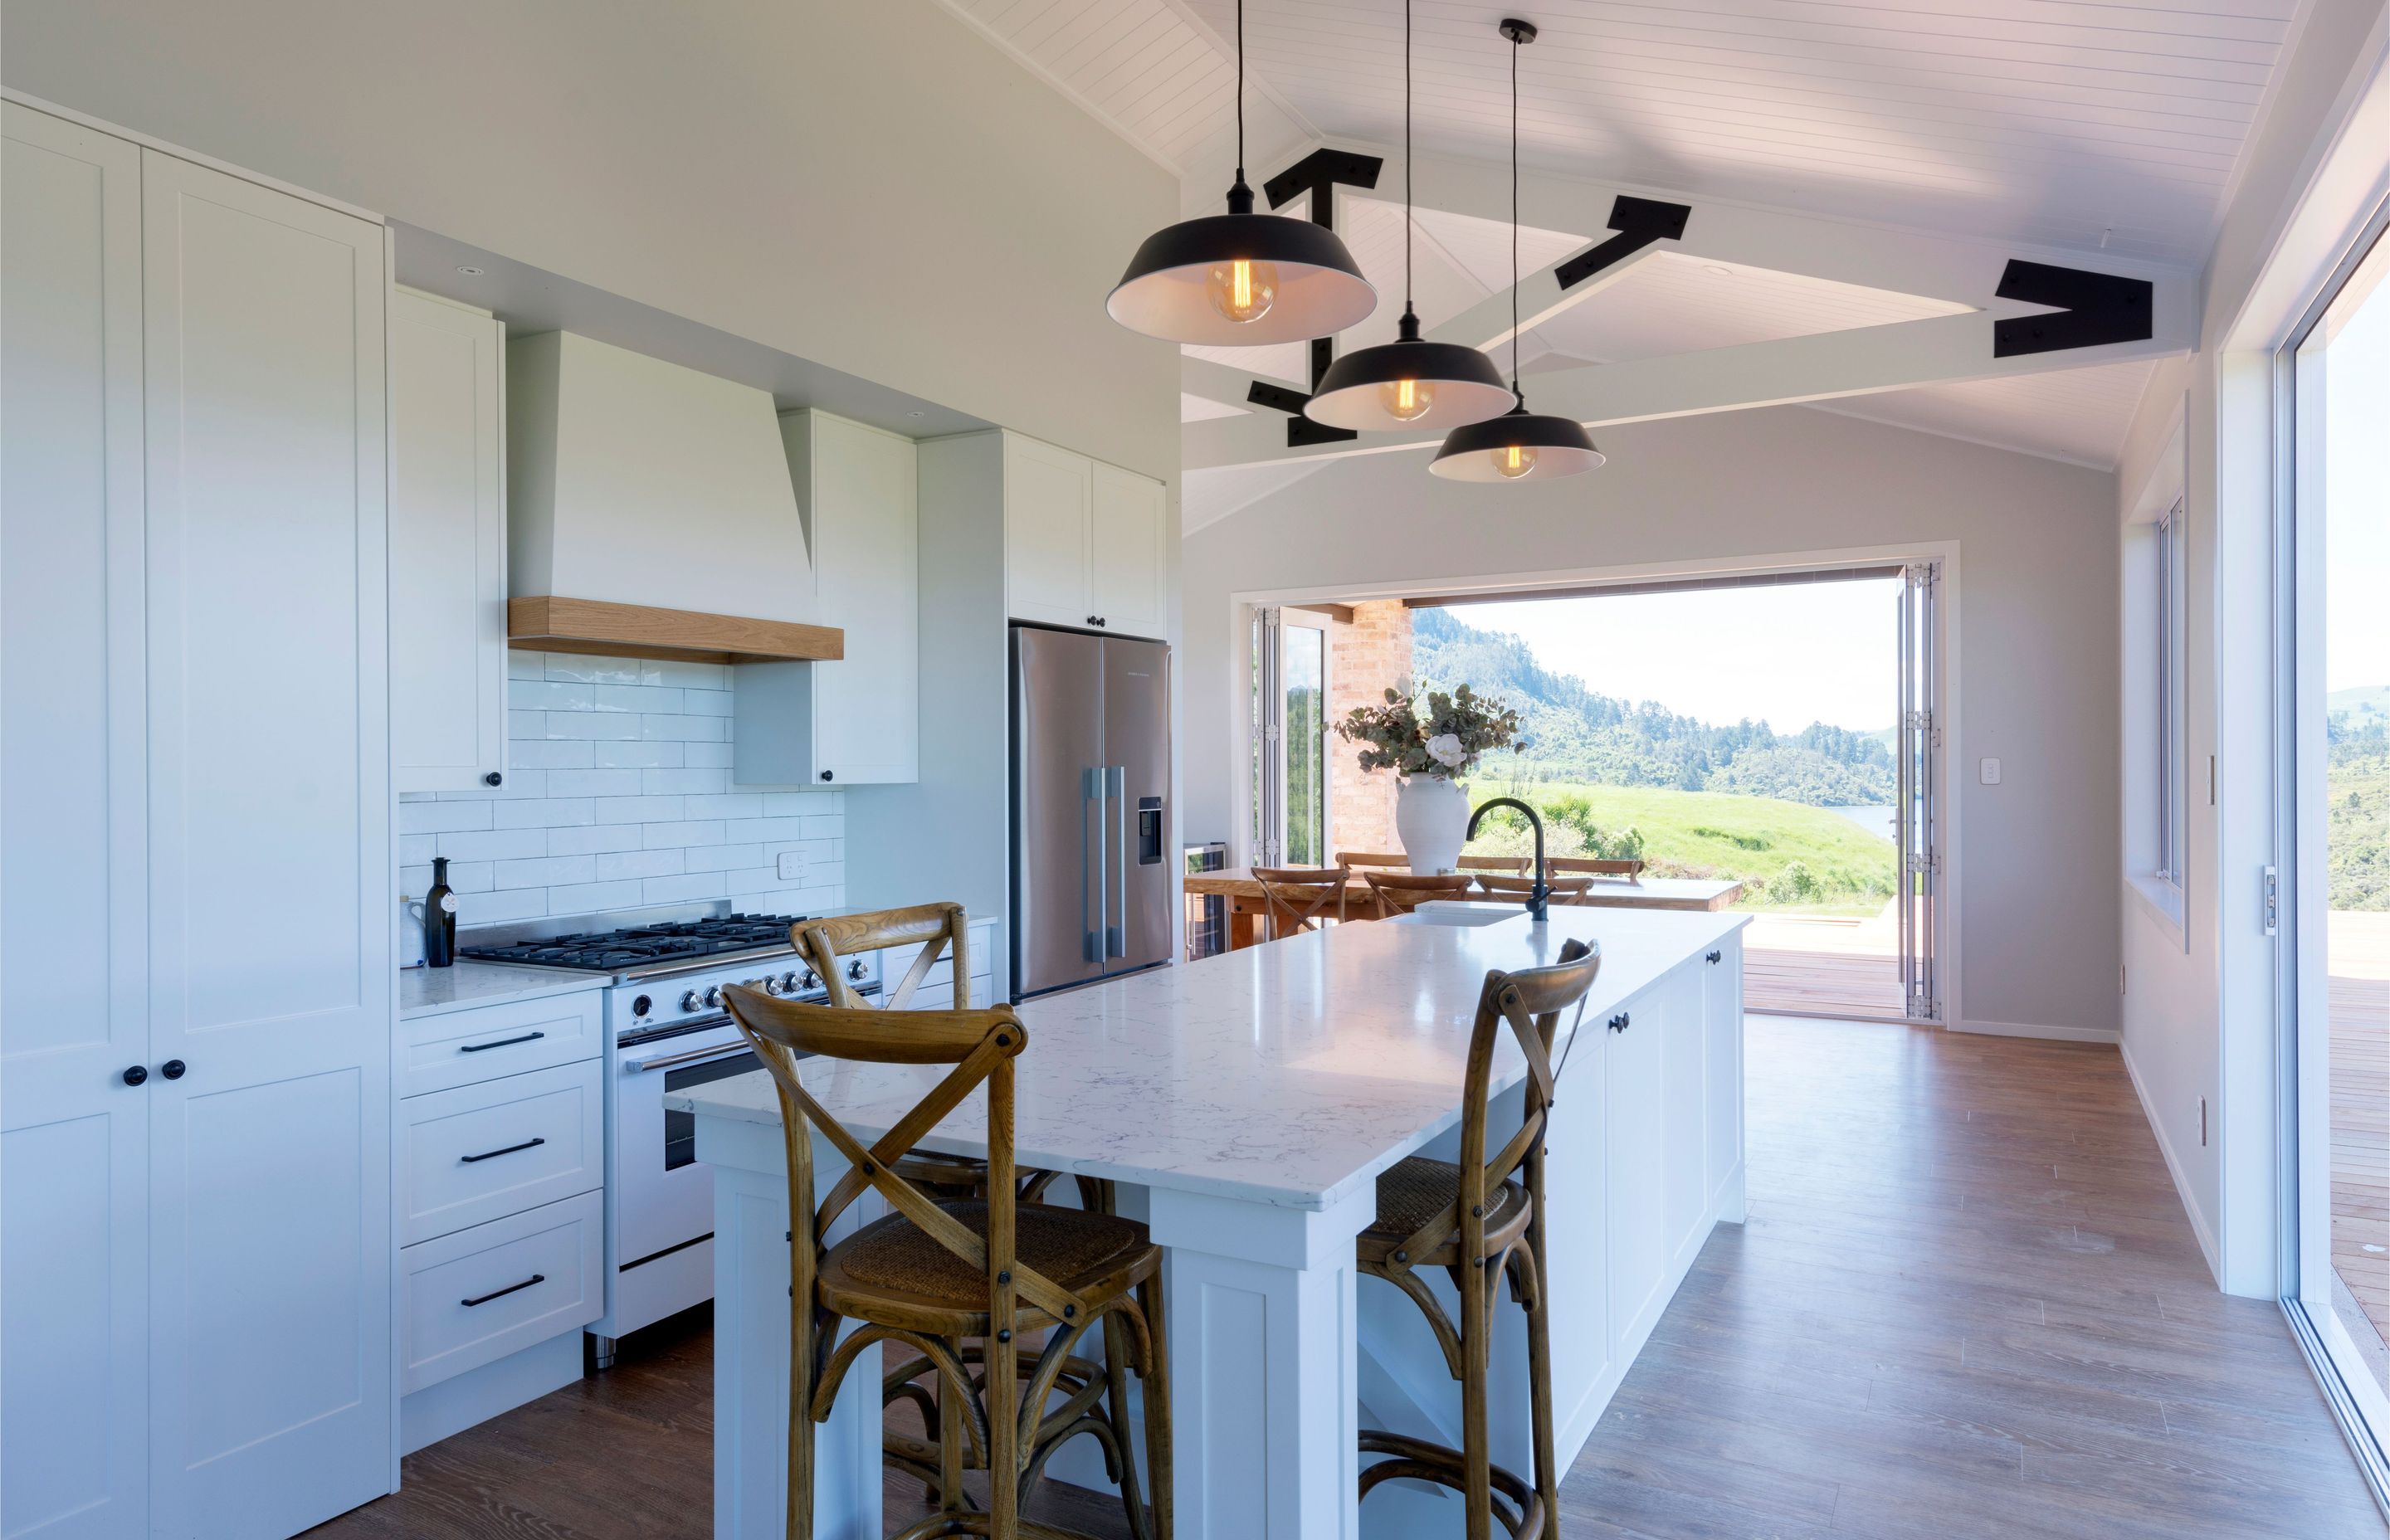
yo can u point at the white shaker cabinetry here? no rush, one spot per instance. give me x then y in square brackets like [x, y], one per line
[196, 1226]
[854, 721]
[1086, 543]
[447, 544]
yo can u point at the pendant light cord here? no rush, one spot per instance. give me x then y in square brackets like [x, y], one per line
[1241, 90]
[1514, 218]
[1409, 217]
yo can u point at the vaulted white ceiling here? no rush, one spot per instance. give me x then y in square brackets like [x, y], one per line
[2101, 125]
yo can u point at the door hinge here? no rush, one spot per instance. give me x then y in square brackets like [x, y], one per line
[2271, 912]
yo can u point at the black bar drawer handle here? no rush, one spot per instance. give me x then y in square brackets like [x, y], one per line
[494, 1154]
[511, 1042]
[1718, 956]
[512, 1287]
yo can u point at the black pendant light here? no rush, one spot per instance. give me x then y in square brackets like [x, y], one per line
[1241, 279]
[1408, 383]
[1520, 445]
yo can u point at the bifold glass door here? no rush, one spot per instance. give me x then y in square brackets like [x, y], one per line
[1289, 738]
[1916, 742]
[2336, 913]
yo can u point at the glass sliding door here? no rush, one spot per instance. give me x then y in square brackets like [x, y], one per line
[2338, 914]
[1289, 738]
[1917, 749]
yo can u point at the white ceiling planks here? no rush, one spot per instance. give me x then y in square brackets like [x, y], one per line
[2076, 414]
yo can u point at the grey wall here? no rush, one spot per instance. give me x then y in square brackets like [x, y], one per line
[2037, 682]
[873, 187]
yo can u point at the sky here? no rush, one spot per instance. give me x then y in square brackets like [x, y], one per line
[1789, 655]
[2356, 483]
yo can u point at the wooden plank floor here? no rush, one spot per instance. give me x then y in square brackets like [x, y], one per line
[1967, 1304]
[1820, 983]
[2359, 1003]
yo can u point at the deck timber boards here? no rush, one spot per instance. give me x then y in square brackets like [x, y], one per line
[1967, 1306]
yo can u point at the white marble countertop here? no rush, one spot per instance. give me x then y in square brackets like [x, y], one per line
[431, 991]
[1286, 1074]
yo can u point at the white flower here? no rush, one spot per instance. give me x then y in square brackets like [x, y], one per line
[1445, 750]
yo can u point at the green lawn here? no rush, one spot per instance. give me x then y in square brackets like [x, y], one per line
[1767, 844]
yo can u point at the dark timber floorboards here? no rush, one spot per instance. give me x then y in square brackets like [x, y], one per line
[1967, 1303]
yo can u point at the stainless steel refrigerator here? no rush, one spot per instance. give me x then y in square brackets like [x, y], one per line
[1090, 780]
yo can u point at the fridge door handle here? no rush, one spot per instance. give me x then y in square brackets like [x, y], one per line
[1116, 787]
[1091, 921]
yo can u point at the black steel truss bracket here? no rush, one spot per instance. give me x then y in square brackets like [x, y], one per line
[2094, 308]
[1301, 431]
[1320, 173]
[1639, 222]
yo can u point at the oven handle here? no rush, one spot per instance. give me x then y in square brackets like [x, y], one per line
[687, 1056]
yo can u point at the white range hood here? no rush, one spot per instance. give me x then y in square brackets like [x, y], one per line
[650, 511]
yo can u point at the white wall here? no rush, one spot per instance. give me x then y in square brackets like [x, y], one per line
[2037, 644]
[2200, 1018]
[618, 796]
[874, 187]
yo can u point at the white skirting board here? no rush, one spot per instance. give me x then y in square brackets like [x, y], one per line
[449, 1408]
[2174, 1167]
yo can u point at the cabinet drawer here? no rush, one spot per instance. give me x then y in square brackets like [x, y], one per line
[457, 1047]
[940, 996]
[483, 1151]
[474, 1297]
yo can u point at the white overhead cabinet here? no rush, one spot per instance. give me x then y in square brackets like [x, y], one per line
[1085, 543]
[447, 545]
[853, 721]
[195, 1233]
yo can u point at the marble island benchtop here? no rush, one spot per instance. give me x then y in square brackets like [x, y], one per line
[1288, 1074]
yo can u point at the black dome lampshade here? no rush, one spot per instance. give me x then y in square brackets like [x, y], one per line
[1407, 382]
[1518, 446]
[1241, 279]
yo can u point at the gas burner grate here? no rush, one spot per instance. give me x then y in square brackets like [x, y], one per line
[642, 945]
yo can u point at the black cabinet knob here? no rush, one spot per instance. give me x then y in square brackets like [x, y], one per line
[494, 778]
[137, 1075]
[172, 1069]
[827, 775]
[1718, 956]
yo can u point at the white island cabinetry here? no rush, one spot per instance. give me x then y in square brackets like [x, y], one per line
[1245, 1105]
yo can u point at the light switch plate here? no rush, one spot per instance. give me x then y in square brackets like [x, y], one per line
[1991, 772]
[792, 866]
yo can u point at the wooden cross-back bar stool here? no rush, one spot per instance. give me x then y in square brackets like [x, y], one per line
[1296, 899]
[933, 1274]
[1400, 892]
[1360, 859]
[1483, 1220]
[1560, 890]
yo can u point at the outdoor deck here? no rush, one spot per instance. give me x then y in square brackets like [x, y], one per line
[2359, 960]
[1795, 966]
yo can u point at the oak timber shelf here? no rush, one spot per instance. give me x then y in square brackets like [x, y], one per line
[548, 623]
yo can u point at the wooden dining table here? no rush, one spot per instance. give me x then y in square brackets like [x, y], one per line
[1693, 894]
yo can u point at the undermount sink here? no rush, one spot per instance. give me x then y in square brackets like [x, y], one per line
[1465, 914]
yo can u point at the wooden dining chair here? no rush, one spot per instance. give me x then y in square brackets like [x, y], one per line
[1482, 1221]
[1400, 892]
[1358, 859]
[1558, 889]
[1494, 863]
[1593, 865]
[1296, 899]
[934, 1275]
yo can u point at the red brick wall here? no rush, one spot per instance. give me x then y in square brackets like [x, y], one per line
[1371, 655]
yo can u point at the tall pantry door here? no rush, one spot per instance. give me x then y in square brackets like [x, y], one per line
[74, 1135]
[270, 880]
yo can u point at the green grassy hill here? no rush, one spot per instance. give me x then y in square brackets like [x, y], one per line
[1787, 853]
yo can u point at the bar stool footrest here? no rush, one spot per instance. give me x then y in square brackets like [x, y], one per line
[1423, 1460]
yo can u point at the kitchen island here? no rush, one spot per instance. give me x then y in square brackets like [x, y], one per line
[1246, 1104]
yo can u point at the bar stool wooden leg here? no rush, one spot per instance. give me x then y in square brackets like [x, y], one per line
[950, 1441]
[1539, 1353]
[1116, 1351]
[1477, 1458]
[1158, 1467]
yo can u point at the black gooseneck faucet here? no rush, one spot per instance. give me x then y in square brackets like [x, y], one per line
[1539, 895]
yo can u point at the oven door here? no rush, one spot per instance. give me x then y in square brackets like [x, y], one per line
[663, 1196]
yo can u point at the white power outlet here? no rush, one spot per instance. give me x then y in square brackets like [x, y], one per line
[1991, 772]
[792, 866]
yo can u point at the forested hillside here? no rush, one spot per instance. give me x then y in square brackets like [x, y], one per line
[1575, 734]
[2356, 793]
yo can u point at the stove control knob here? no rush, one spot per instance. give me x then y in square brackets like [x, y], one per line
[856, 970]
[771, 985]
[641, 1006]
[688, 1001]
[810, 981]
[712, 995]
[789, 983]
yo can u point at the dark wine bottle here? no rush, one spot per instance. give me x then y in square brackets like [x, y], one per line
[438, 919]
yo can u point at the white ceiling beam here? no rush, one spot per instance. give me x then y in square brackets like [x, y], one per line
[1828, 366]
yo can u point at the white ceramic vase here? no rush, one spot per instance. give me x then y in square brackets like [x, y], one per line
[1432, 817]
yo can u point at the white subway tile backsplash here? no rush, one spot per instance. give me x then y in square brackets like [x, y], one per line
[593, 783]
[618, 795]
[637, 754]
